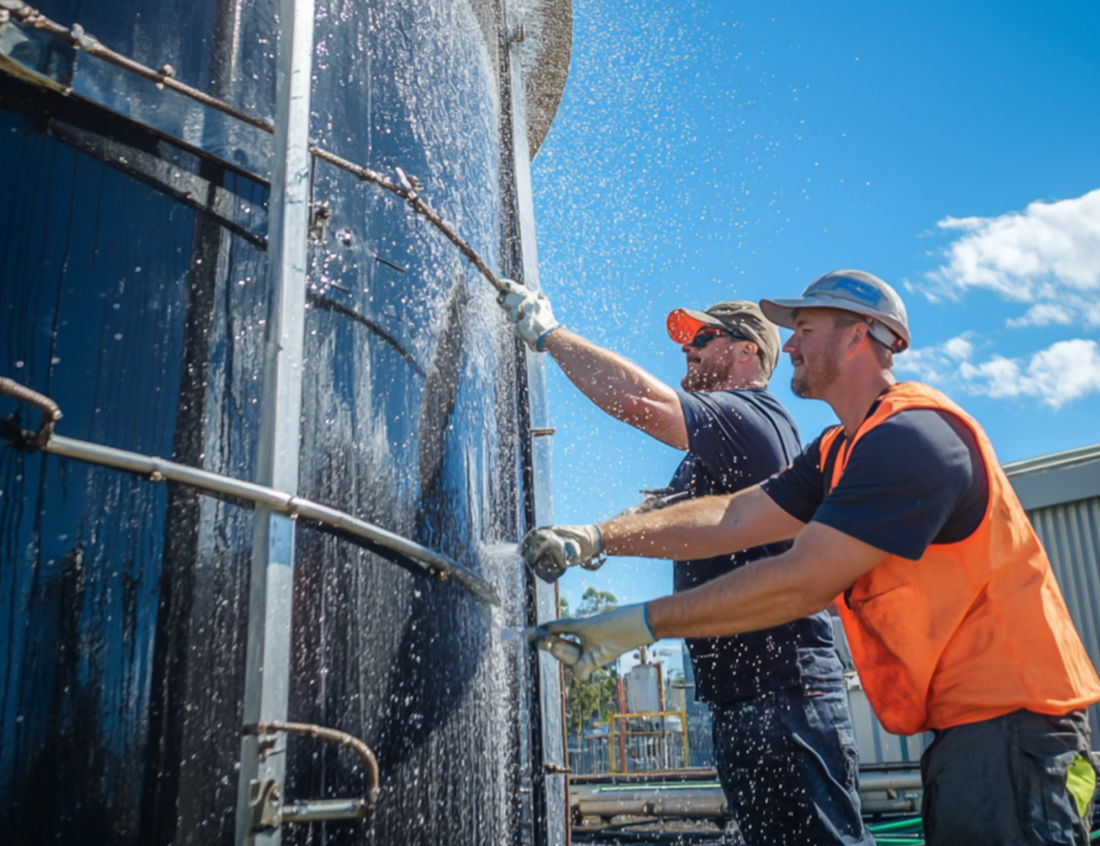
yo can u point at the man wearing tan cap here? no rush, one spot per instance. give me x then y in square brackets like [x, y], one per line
[783, 737]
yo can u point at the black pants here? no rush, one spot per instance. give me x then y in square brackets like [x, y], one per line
[1008, 782]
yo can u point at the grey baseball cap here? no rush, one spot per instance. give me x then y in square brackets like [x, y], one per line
[850, 290]
[738, 316]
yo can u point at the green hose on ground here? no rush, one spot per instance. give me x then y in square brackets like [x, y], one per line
[903, 832]
[897, 825]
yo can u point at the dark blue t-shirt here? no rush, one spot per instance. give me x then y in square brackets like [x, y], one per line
[738, 439]
[916, 479]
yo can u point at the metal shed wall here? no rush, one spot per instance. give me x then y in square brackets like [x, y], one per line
[1070, 533]
[1061, 495]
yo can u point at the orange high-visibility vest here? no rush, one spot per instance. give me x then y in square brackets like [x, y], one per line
[972, 630]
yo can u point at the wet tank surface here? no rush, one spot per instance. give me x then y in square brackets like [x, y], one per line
[134, 291]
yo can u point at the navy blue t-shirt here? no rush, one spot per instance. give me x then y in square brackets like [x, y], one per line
[916, 479]
[738, 439]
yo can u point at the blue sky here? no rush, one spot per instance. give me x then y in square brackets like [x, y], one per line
[709, 151]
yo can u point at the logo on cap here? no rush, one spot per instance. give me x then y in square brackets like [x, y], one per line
[860, 290]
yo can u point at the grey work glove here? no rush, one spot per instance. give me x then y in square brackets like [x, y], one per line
[551, 550]
[529, 311]
[585, 643]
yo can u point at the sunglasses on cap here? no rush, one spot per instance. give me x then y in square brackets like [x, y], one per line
[705, 336]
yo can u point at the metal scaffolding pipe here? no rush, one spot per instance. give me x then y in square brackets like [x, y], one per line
[698, 803]
[708, 802]
[869, 782]
[703, 804]
[889, 806]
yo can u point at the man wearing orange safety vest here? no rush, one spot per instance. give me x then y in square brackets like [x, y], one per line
[902, 515]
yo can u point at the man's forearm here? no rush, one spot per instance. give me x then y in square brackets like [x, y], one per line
[760, 595]
[619, 387]
[821, 565]
[701, 528]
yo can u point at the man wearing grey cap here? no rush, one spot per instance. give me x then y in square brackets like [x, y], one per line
[784, 742]
[903, 516]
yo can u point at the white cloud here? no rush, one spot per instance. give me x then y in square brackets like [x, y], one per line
[958, 348]
[1047, 256]
[1063, 372]
[1043, 314]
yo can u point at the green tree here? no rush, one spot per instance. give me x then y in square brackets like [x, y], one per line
[598, 695]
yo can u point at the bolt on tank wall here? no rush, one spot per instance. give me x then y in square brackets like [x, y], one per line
[267, 441]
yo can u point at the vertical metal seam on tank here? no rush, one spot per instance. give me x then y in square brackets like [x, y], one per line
[270, 601]
[553, 826]
[512, 265]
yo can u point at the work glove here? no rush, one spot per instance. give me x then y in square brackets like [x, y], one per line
[529, 311]
[551, 550]
[584, 644]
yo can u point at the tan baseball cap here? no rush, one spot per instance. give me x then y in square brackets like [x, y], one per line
[741, 317]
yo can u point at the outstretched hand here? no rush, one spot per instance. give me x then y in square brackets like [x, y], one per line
[584, 644]
[551, 550]
[529, 311]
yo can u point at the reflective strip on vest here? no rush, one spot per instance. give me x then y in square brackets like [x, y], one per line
[972, 630]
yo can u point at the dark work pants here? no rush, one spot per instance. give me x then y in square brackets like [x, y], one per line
[1002, 782]
[788, 764]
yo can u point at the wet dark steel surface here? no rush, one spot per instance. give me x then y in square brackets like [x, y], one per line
[433, 456]
[123, 605]
[407, 187]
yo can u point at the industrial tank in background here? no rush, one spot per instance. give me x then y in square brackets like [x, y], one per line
[184, 283]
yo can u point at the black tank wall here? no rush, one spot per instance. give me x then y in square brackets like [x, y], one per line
[123, 603]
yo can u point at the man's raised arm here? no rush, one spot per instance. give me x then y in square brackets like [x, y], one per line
[621, 388]
[616, 385]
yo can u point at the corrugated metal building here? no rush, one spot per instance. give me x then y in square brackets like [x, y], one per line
[1061, 494]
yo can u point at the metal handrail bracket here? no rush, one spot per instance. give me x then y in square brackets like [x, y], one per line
[267, 809]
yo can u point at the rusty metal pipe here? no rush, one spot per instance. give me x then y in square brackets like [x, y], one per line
[407, 192]
[78, 39]
[50, 412]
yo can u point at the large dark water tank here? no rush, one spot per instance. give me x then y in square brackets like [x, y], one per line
[135, 290]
